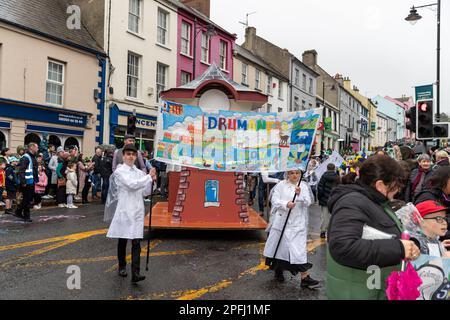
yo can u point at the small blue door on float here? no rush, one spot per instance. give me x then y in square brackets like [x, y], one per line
[212, 193]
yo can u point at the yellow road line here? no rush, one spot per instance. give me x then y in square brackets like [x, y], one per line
[37, 252]
[98, 259]
[198, 293]
[75, 236]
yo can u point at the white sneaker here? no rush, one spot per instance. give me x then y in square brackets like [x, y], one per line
[71, 206]
[37, 207]
[61, 205]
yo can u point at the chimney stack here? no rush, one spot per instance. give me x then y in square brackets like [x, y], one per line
[309, 57]
[338, 77]
[204, 6]
[250, 37]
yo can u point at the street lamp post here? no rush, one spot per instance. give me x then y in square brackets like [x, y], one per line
[413, 17]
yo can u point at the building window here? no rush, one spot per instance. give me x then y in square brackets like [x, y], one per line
[134, 15]
[55, 83]
[161, 79]
[244, 73]
[297, 77]
[185, 77]
[269, 85]
[223, 55]
[205, 47]
[163, 19]
[269, 107]
[310, 86]
[257, 79]
[186, 38]
[133, 75]
[304, 82]
[280, 90]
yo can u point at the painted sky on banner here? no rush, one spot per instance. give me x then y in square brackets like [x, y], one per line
[234, 141]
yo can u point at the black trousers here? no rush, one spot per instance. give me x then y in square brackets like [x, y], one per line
[85, 191]
[135, 254]
[24, 207]
[105, 189]
[61, 195]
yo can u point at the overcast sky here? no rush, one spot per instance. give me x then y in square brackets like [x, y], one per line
[366, 40]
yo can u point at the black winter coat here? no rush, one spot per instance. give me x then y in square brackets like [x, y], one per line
[353, 206]
[106, 167]
[327, 183]
[436, 195]
[97, 164]
[11, 179]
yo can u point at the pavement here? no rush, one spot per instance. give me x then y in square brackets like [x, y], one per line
[37, 261]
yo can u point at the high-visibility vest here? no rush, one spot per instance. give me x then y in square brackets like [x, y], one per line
[29, 178]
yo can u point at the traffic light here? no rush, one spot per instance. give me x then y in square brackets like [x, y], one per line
[411, 125]
[425, 114]
[440, 130]
[131, 124]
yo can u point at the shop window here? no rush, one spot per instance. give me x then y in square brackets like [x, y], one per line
[32, 137]
[54, 140]
[71, 141]
[2, 140]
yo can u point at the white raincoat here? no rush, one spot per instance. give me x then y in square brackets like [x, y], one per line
[293, 244]
[128, 187]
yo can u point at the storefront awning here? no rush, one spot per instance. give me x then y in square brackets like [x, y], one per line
[69, 132]
[36, 112]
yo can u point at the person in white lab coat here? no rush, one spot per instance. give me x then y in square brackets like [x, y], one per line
[125, 207]
[292, 251]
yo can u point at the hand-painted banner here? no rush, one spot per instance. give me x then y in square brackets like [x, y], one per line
[435, 275]
[235, 141]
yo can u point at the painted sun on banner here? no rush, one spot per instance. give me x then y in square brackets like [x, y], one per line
[234, 141]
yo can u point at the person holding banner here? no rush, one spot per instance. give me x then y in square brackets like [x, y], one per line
[125, 209]
[288, 250]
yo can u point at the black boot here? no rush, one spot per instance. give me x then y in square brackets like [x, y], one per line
[9, 211]
[26, 217]
[136, 277]
[123, 272]
[279, 275]
[18, 214]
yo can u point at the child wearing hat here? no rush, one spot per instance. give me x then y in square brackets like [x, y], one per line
[433, 225]
[11, 183]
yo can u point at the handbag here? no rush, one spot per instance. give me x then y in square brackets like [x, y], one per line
[61, 182]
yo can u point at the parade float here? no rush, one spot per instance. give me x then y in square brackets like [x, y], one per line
[208, 128]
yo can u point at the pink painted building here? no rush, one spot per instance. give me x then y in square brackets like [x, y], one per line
[406, 103]
[204, 42]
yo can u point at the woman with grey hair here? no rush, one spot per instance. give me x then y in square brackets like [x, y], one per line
[418, 177]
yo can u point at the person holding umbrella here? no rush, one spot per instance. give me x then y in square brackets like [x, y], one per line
[286, 246]
[125, 209]
[364, 234]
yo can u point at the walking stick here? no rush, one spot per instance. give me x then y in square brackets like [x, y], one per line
[287, 219]
[149, 227]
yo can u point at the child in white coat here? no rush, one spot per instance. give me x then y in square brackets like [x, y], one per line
[71, 185]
